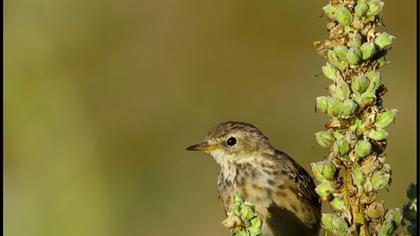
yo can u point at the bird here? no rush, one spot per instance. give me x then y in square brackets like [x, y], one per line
[281, 190]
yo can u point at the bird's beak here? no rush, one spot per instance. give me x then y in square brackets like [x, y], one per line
[204, 146]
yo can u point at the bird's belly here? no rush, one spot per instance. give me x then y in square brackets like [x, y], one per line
[278, 217]
[259, 194]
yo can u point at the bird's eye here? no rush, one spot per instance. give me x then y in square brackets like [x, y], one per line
[231, 141]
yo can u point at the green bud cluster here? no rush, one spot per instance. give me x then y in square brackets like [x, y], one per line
[334, 224]
[360, 84]
[385, 118]
[338, 203]
[362, 148]
[380, 179]
[324, 172]
[250, 224]
[329, 71]
[324, 190]
[361, 9]
[357, 51]
[360, 46]
[340, 147]
[355, 136]
[375, 7]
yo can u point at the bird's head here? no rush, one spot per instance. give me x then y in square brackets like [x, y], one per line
[233, 141]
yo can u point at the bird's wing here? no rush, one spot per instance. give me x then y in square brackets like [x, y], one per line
[306, 185]
[302, 179]
[298, 194]
[283, 222]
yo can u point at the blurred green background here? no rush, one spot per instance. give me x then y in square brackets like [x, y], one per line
[102, 97]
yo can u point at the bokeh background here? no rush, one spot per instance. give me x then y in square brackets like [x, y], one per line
[102, 97]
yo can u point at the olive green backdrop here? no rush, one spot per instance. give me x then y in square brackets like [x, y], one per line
[102, 97]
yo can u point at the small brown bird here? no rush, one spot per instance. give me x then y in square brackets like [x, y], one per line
[282, 192]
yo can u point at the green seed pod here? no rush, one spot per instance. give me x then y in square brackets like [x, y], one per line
[412, 191]
[380, 180]
[332, 56]
[334, 224]
[323, 170]
[334, 106]
[338, 203]
[375, 80]
[348, 107]
[375, 7]
[360, 84]
[247, 211]
[239, 231]
[356, 125]
[385, 118]
[237, 204]
[384, 40]
[361, 9]
[342, 90]
[324, 138]
[394, 215]
[329, 71]
[354, 55]
[341, 147]
[328, 170]
[375, 210]
[324, 189]
[382, 61]
[237, 199]
[322, 104]
[341, 64]
[343, 16]
[256, 225]
[386, 229]
[355, 40]
[368, 49]
[363, 148]
[358, 179]
[317, 170]
[377, 135]
[333, 59]
[338, 134]
[330, 10]
[237, 210]
[340, 51]
[364, 99]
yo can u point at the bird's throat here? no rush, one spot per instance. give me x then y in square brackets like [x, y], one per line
[232, 167]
